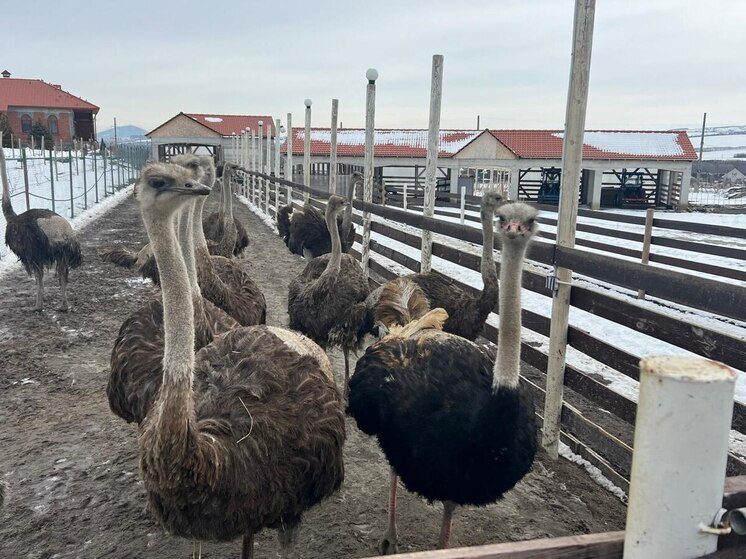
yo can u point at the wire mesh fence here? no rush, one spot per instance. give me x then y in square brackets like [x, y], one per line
[70, 181]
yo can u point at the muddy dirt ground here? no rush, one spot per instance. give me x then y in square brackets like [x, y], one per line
[71, 465]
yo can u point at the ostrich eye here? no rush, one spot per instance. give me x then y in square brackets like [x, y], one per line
[157, 182]
[194, 165]
[531, 221]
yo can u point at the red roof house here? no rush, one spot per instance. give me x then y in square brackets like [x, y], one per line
[27, 101]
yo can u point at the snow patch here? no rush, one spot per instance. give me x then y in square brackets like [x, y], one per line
[593, 471]
[213, 119]
[450, 141]
[633, 143]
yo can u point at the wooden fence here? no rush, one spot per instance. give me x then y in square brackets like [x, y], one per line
[596, 420]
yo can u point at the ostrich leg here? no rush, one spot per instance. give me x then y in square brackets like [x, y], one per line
[247, 550]
[196, 549]
[63, 288]
[346, 352]
[445, 529]
[39, 275]
[387, 545]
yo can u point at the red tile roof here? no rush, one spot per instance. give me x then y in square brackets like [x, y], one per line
[601, 144]
[15, 92]
[388, 142]
[226, 125]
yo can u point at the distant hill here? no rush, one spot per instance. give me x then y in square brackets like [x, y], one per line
[717, 130]
[126, 133]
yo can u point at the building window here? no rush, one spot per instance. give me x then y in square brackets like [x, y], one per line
[26, 124]
[52, 120]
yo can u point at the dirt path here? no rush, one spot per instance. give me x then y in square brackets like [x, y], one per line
[71, 465]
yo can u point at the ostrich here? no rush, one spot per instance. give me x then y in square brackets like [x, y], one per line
[305, 231]
[248, 433]
[454, 424]
[137, 355]
[467, 313]
[226, 231]
[327, 301]
[40, 238]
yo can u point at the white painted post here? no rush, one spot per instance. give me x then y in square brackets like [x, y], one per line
[260, 164]
[370, 126]
[596, 184]
[268, 167]
[572, 158]
[681, 449]
[333, 149]
[515, 175]
[428, 206]
[289, 161]
[404, 200]
[277, 165]
[252, 165]
[307, 151]
[463, 204]
[649, 214]
[686, 183]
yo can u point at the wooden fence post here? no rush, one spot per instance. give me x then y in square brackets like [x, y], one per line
[260, 164]
[463, 205]
[277, 165]
[433, 135]
[106, 193]
[268, 167]
[370, 126]
[289, 160]
[646, 244]
[404, 194]
[24, 163]
[307, 151]
[682, 429]
[95, 174]
[85, 182]
[572, 158]
[333, 149]
[52, 165]
[252, 163]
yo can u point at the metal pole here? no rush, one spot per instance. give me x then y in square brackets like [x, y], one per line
[646, 244]
[105, 191]
[289, 160]
[307, 151]
[260, 163]
[433, 135]
[95, 174]
[268, 167]
[24, 164]
[52, 165]
[370, 126]
[85, 182]
[252, 181]
[333, 149]
[681, 449]
[702, 138]
[72, 193]
[572, 155]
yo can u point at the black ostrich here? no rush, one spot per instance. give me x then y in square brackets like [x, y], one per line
[467, 312]
[327, 301]
[305, 231]
[453, 424]
[40, 239]
[247, 433]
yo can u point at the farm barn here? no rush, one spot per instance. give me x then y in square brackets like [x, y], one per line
[28, 101]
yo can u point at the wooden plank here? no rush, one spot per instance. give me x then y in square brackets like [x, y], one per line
[608, 545]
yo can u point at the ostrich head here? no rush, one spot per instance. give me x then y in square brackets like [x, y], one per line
[335, 205]
[490, 201]
[208, 167]
[192, 163]
[517, 221]
[167, 187]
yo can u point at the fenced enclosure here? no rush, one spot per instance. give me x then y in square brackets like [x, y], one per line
[70, 181]
[611, 326]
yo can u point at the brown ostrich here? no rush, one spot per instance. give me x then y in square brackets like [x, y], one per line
[248, 433]
[137, 355]
[467, 313]
[305, 231]
[40, 239]
[454, 425]
[326, 301]
[221, 227]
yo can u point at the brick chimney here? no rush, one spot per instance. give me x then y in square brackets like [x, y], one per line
[6, 74]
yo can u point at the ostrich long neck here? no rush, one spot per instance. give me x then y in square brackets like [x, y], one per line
[347, 216]
[7, 206]
[186, 241]
[488, 296]
[508, 362]
[228, 241]
[335, 259]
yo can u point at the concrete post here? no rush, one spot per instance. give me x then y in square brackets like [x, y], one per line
[289, 160]
[681, 449]
[595, 181]
[455, 172]
[277, 165]
[370, 126]
[268, 167]
[686, 183]
[333, 149]
[513, 188]
[260, 163]
[307, 151]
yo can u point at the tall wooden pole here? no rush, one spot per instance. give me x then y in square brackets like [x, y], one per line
[333, 149]
[431, 166]
[289, 161]
[260, 163]
[268, 167]
[702, 137]
[307, 151]
[277, 165]
[370, 125]
[572, 158]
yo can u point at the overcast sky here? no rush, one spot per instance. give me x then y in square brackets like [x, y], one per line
[656, 63]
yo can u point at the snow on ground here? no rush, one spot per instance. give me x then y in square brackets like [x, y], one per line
[40, 184]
